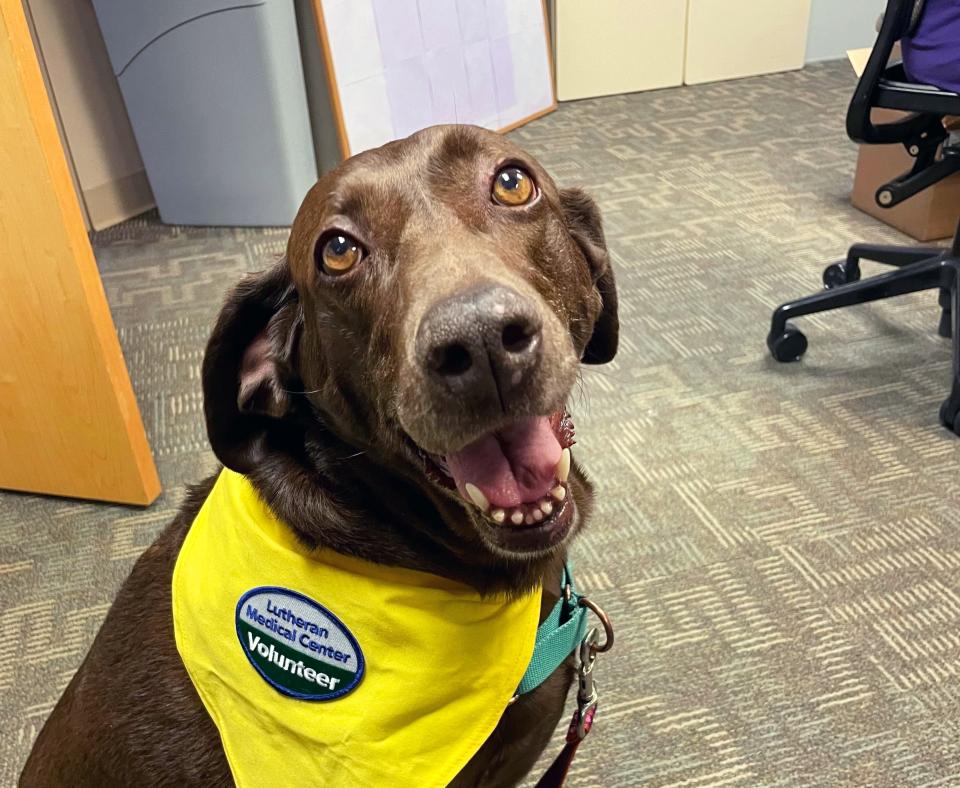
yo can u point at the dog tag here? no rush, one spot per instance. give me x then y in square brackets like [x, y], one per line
[298, 646]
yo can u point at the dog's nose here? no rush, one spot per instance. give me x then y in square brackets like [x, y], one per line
[481, 344]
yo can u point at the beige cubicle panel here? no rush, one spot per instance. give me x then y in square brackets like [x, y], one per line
[727, 39]
[618, 46]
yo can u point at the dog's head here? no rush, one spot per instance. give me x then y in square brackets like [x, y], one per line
[437, 298]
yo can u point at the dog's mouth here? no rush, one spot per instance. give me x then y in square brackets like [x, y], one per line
[516, 478]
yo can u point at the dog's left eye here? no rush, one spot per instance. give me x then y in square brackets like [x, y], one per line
[513, 186]
[338, 253]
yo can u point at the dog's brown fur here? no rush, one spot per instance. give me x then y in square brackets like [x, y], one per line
[313, 389]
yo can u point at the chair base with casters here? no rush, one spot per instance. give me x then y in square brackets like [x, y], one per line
[918, 268]
[921, 132]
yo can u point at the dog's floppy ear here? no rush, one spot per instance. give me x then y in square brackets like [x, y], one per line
[248, 366]
[586, 228]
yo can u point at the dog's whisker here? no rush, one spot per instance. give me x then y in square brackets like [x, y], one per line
[598, 371]
[583, 395]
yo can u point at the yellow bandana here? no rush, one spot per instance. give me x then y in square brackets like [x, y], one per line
[319, 669]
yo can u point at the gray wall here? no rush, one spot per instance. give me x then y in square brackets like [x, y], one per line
[839, 25]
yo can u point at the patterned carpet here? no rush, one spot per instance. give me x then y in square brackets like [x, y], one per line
[777, 545]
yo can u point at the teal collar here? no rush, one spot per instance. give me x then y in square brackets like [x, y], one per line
[560, 634]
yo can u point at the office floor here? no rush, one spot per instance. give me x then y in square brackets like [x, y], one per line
[777, 545]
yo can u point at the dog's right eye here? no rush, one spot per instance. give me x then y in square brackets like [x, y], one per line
[338, 253]
[513, 187]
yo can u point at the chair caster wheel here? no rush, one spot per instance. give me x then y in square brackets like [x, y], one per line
[839, 274]
[788, 346]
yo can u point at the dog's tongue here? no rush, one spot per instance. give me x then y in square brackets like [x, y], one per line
[512, 466]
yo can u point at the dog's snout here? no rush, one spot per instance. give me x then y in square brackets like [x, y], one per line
[484, 343]
[507, 348]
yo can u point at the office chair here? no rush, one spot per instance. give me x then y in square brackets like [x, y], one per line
[919, 268]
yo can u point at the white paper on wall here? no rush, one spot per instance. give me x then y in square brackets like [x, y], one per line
[401, 65]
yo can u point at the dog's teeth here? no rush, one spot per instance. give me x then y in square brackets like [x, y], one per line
[559, 492]
[498, 515]
[563, 467]
[537, 515]
[517, 517]
[546, 507]
[478, 498]
[528, 520]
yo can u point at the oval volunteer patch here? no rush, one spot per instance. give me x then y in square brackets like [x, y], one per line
[297, 645]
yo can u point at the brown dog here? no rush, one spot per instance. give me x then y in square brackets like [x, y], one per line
[395, 389]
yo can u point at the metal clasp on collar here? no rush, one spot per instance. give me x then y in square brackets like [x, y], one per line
[604, 619]
[587, 687]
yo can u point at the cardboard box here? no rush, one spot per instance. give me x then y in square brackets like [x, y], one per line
[929, 215]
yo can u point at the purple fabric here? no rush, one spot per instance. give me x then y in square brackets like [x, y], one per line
[932, 54]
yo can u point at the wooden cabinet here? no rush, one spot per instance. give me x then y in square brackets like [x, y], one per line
[69, 423]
